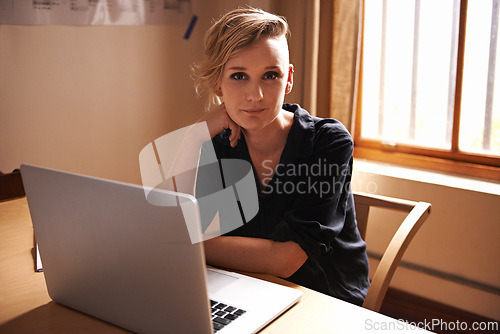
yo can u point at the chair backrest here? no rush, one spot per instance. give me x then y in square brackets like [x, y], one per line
[417, 214]
[11, 186]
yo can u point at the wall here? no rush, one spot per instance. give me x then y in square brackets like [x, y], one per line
[86, 99]
[453, 259]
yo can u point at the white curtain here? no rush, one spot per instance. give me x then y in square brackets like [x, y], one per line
[345, 60]
[324, 48]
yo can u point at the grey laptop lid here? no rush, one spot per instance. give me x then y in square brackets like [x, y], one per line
[109, 253]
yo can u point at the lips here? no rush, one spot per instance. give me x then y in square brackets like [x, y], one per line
[254, 110]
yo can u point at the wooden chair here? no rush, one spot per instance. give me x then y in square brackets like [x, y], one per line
[11, 186]
[417, 214]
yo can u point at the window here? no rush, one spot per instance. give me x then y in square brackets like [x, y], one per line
[428, 94]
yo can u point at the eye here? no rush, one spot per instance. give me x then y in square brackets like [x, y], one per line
[271, 75]
[238, 76]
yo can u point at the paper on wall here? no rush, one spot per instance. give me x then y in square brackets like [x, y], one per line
[95, 12]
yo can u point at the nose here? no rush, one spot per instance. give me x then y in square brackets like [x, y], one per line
[254, 92]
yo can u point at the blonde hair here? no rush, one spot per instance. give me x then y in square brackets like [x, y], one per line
[233, 32]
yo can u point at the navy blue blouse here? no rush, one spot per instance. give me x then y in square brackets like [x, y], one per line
[308, 200]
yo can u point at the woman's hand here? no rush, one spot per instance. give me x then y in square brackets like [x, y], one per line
[218, 120]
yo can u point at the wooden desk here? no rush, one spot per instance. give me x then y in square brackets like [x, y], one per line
[25, 306]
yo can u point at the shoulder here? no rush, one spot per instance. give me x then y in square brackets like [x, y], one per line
[329, 129]
[322, 133]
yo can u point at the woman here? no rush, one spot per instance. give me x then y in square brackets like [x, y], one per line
[305, 230]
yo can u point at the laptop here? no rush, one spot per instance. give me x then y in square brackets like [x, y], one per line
[110, 254]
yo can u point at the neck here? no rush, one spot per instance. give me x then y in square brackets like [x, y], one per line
[272, 138]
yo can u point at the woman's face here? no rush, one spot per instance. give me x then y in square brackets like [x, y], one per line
[254, 83]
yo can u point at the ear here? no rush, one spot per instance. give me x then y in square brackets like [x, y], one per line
[289, 81]
[218, 92]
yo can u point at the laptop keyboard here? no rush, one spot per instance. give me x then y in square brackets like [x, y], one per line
[223, 314]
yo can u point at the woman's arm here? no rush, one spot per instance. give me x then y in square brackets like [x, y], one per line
[185, 165]
[281, 259]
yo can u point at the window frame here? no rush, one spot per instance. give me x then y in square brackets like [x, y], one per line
[446, 160]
